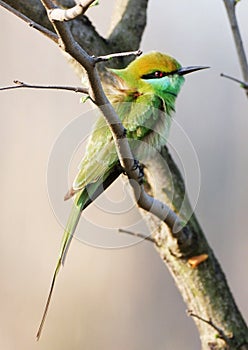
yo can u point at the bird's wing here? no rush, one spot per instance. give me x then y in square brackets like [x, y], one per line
[138, 118]
[100, 156]
[147, 126]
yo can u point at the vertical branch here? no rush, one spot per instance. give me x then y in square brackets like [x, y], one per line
[231, 12]
[129, 17]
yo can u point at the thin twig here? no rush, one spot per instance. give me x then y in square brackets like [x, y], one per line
[118, 54]
[220, 332]
[242, 83]
[137, 234]
[44, 31]
[31, 23]
[61, 15]
[21, 84]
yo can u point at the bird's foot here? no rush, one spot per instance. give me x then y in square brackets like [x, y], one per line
[136, 165]
[141, 172]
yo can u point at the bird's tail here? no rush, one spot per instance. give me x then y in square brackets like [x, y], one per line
[66, 240]
[82, 199]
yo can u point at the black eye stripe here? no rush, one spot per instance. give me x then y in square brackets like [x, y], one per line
[157, 75]
[154, 75]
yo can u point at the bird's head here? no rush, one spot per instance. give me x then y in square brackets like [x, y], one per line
[155, 73]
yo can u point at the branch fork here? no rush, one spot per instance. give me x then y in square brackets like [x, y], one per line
[57, 14]
[243, 84]
[220, 333]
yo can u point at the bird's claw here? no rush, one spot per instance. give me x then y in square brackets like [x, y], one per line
[139, 166]
[136, 165]
[141, 173]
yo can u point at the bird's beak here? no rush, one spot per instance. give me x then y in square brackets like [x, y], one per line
[187, 70]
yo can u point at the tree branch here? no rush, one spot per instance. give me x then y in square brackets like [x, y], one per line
[219, 331]
[128, 18]
[242, 83]
[231, 12]
[204, 288]
[81, 28]
[21, 84]
[137, 234]
[31, 23]
[67, 15]
[117, 55]
[84, 32]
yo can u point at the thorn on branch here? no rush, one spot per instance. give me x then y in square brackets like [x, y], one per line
[116, 55]
[243, 84]
[196, 260]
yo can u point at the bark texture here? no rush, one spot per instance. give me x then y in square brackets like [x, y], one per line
[204, 288]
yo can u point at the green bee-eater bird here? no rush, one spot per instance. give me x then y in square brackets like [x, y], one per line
[143, 95]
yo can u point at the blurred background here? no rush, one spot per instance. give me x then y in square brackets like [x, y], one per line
[115, 298]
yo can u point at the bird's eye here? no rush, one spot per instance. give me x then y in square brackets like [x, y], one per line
[159, 74]
[154, 75]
